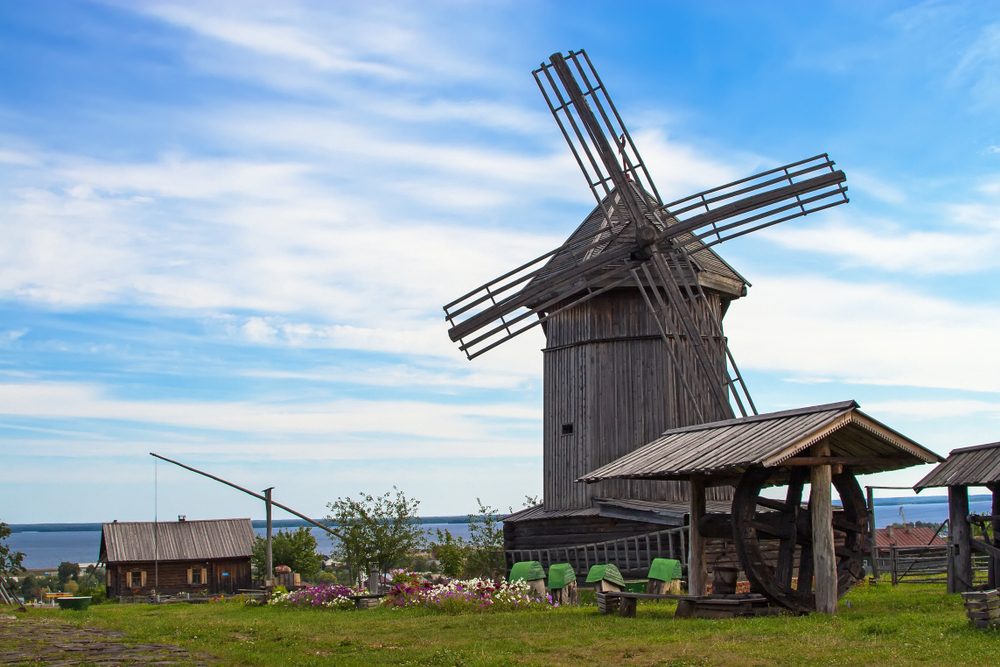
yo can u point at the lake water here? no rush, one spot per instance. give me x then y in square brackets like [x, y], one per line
[48, 549]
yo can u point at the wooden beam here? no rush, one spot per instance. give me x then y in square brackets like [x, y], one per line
[959, 540]
[697, 567]
[838, 460]
[824, 550]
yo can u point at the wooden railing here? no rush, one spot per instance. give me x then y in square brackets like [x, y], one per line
[632, 555]
[924, 564]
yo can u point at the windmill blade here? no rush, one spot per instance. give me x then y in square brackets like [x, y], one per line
[756, 202]
[573, 95]
[518, 311]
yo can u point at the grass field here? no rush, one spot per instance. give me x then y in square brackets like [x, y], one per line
[908, 625]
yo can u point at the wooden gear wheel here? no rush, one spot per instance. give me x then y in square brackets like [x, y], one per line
[761, 524]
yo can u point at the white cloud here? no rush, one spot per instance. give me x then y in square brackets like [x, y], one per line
[878, 333]
[937, 409]
[441, 429]
[889, 246]
[272, 35]
[876, 187]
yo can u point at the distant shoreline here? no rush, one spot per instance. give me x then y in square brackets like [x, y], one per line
[458, 519]
[257, 523]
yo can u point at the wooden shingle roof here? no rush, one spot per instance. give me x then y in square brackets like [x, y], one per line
[176, 540]
[725, 449]
[597, 234]
[968, 466]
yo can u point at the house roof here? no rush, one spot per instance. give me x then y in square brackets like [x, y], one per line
[597, 234]
[176, 540]
[664, 512]
[725, 449]
[968, 466]
[914, 536]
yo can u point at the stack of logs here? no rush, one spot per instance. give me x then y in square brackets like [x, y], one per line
[983, 608]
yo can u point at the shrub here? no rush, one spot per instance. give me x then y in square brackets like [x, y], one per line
[471, 595]
[329, 596]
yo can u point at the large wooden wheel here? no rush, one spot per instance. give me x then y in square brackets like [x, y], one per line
[772, 536]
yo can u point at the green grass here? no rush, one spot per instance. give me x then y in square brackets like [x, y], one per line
[908, 625]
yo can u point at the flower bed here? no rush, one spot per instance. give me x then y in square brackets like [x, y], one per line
[329, 596]
[479, 595]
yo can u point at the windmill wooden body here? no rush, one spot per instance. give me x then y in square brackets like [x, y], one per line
[632, 307]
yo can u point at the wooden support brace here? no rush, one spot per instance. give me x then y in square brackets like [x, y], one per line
[697, 567]
[823, 548]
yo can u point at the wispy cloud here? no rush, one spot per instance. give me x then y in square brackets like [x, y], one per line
[879, 334]
[442, 429]
[892, 247]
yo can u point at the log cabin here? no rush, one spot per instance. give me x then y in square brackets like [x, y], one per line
[168, 558]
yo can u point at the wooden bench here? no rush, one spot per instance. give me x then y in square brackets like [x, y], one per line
[699, 606]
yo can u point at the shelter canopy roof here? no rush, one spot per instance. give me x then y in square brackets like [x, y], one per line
[968, 466]
[176, 540]
[723, 450]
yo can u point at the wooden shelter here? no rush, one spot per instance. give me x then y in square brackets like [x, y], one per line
[965, 467]
[781, 545]
[197, 557]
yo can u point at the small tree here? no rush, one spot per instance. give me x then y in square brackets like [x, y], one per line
[296, 549]
[68, 571]
[452, 552]
[29, 588]
[376, 531]
[486, 541]
[10, 561]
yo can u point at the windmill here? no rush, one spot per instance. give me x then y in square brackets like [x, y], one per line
[632, 303]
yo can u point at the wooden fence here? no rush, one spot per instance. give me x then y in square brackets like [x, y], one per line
[632, 555]
[924, 564]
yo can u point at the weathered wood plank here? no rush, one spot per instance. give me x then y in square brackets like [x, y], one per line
[823, 548]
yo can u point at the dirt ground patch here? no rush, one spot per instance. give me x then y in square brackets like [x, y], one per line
[38, 641]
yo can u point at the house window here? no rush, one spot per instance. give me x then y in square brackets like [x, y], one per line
[135, 579]
[567, 429]
[196, 576]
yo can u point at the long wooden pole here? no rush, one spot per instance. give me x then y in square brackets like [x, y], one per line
[270, 561]
[697, 568]
[251, 493]
[824, 553]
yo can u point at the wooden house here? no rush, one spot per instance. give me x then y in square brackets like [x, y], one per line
[196, 557]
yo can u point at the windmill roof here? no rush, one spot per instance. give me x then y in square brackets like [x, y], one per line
[968, 466]
[727, 448]
[603, 234]
[176, 540]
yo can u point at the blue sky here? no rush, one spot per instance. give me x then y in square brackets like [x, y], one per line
[228, 230]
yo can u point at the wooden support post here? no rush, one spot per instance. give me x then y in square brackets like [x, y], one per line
[994, 573]
[959, 540]
[824, 554]
[269, 575]
[872, 535]
[697, 567]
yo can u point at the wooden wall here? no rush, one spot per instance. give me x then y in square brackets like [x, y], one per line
[223, 576]
[607, 371]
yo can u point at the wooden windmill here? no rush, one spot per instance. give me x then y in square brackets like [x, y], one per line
[632, 304]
